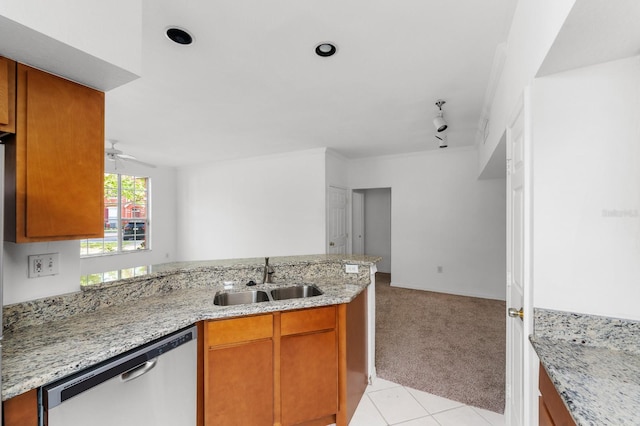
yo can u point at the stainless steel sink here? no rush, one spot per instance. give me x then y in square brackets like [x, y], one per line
[295, 292]
[224, 298]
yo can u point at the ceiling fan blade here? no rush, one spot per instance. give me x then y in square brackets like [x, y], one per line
[116, 155]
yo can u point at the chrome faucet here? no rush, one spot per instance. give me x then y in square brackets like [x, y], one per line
[268, 271]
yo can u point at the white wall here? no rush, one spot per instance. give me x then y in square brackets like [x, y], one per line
[587, 190]
[377, 224]
[262, 206]
[337, 168]
[535, 26]
[18, 287]
[442, 215]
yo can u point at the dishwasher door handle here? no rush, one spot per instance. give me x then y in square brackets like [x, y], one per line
[138, 371]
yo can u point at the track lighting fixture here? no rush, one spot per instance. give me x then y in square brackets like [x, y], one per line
[442, 140]
[438, 121]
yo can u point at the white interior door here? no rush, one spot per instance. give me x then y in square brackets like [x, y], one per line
[337, 233]
[518, 410]
[358, 222]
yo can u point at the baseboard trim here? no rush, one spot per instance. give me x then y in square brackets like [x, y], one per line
[455, 293]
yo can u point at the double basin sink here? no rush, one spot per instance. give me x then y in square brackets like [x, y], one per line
[225, 298]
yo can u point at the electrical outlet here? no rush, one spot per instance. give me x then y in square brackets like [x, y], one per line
[439, 269]
[351, 269]
[41, 265]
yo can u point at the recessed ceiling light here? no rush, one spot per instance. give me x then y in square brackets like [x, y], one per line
[180, 36]
[325, 49]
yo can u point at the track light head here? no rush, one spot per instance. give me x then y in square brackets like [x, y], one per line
[439, 122]
[442, 140]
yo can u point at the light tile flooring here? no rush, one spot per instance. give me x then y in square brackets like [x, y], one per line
[386, 403]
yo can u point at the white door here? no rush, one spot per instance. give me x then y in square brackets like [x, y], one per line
[357, 204]
[337, 220]
[519, 410]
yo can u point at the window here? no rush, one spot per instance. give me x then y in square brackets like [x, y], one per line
[126, 217]
[104, 277]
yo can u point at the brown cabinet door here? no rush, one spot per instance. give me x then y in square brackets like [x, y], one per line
[309, 376]
[21, 410]
[7, 96]
[356, 362]
[555, 412]
[239, 385]
[58, 159]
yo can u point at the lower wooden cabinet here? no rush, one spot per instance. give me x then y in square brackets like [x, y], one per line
[309, 366]
[552, 411]
[238, 370]
[355, 358]
[279, 368]
[21, 410]
[240, 384]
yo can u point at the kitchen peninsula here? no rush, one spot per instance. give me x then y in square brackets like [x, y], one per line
[51, 338]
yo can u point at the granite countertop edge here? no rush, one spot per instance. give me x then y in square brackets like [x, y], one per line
[597, 384]
[40, 354]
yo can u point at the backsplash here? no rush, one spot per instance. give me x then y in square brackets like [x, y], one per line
[172, 276]
[591, 330]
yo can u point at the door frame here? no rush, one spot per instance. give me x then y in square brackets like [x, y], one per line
[357, 220]
[529, 359]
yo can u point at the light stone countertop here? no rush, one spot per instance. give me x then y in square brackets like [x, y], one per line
[594, 363]
[39, 353]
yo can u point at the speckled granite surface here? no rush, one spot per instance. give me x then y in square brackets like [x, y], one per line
[88, 327]
[594, 363]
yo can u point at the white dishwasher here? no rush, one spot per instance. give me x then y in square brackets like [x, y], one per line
[151, 385]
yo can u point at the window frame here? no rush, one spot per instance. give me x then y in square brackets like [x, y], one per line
[121, 244]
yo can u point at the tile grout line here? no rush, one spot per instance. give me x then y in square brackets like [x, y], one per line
[475, 409]
[429, 413]
[377, 409]
[406, 420]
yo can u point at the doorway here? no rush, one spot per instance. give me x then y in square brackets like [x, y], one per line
[371, 218]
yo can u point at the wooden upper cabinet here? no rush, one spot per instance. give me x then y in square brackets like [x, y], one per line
[7, 96]
[55, 163]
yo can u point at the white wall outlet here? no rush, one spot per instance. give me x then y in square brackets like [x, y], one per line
[351, 269]
[41, 265]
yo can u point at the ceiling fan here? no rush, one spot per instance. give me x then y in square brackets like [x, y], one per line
[117, 155]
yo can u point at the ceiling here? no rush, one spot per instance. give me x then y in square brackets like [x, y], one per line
[251, 83]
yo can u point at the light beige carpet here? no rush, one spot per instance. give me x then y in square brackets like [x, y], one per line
[450, 346]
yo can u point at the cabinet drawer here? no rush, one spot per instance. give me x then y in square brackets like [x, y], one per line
[308, 320]
[236, 330]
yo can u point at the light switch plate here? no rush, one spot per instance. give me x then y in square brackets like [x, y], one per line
[351, 269]
[41, 265]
